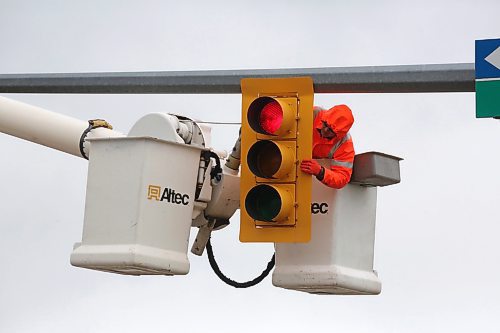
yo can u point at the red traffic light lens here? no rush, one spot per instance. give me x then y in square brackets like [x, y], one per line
[265, 115]
[271, 117]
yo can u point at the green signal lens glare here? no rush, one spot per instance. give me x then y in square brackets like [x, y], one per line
[263, 203]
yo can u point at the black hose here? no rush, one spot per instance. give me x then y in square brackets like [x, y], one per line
[215, 267]
[217, 170]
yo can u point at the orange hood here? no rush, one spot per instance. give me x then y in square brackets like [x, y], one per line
[339, 118]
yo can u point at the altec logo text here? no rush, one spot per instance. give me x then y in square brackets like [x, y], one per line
[319, 208]
[169, 195]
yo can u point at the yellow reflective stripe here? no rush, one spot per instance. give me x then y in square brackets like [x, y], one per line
[338, 144]
[341, 163]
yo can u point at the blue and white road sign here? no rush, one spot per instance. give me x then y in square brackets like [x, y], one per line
[488, 58]
[488, 78]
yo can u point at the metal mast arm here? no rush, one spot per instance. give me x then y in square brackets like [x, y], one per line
[375, 79]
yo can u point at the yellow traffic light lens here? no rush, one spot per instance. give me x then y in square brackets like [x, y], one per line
[263, 203]
[272, 160]
[264, 159]
[265, 115]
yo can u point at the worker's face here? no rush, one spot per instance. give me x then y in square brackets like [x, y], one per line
[326, 132]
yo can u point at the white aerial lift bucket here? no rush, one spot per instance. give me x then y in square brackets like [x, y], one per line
[339, 257]
[139, 205]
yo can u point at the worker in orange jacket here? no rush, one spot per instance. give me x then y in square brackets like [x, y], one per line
[331, 139]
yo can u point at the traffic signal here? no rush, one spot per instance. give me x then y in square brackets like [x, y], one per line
[276, 134]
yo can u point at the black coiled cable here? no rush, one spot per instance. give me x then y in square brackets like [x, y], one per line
[215, 267]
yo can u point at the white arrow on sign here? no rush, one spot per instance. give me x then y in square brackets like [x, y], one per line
[494, 58]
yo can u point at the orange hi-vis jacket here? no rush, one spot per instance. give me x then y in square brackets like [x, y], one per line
[340, 149]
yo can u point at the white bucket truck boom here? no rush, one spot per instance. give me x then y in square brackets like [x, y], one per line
[144, 190]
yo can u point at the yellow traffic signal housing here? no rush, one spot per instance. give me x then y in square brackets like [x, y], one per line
[276, 134]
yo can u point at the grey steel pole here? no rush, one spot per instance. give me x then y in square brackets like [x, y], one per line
[377, 79]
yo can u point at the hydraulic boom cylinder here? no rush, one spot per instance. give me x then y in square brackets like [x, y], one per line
[47, 128]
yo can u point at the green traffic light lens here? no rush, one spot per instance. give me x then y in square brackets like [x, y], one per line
[263, 203]
[264, 159]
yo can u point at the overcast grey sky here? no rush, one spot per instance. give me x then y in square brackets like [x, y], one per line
[437, 250]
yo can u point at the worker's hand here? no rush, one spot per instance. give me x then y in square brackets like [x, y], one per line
[310, 166]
